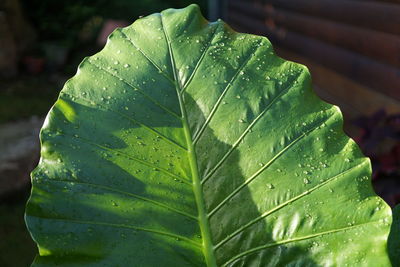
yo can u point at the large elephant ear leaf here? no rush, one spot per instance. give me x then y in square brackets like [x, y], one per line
[184, 143]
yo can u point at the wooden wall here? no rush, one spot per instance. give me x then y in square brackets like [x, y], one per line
[352, 47]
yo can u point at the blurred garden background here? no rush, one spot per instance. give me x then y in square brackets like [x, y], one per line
[354, 58]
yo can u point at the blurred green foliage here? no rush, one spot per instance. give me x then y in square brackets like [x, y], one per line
[26, 96]
[63, 20]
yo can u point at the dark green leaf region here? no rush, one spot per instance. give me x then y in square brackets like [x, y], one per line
[185, 143]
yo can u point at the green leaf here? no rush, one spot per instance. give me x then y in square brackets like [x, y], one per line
[184, 143]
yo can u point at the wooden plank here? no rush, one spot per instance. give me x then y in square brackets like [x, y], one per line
[381, 16]
[381, 77]
[354, 98]
[383, 47]
[388, 1]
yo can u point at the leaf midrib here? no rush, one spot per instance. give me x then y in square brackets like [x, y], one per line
[208, 248]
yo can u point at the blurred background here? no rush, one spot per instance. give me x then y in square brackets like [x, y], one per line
[351, 47]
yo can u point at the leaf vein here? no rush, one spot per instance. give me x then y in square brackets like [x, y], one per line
[278, 243]
[129, 194]
[147, 57]
[255, 175]
[135, 88]
[137, 228]
[246, 131]
[200, 59]
[184, 180]
[217, 104]
[151, 129]
[284, 204]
